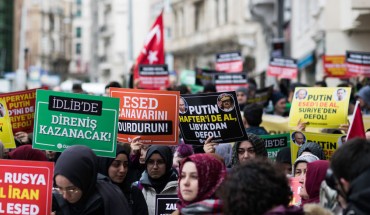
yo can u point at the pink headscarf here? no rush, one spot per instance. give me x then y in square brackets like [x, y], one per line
[211, 173]
[26, 152]
[316, 172]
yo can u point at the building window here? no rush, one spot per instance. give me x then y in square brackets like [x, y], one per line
[226, 11]
[217, 12]
[78, 13]
[199, 13]
[78, 48]
[78, 32]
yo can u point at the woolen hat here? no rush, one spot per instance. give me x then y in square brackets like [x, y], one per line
[364, 94]
[312, 147]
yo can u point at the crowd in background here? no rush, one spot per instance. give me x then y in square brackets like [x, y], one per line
[228, 178]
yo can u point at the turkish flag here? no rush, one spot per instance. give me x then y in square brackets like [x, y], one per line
[356, 129]
[153, 50]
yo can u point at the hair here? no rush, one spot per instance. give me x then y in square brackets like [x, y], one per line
[351, 159]
[183, 89]
[184, 150]
[321, 83]
[113, 84]
[262, 188]
[253, 114]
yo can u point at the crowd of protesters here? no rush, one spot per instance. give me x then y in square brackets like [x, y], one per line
[230, 178]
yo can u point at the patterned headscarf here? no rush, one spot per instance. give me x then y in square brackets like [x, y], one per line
[211, 173]
[258, 144]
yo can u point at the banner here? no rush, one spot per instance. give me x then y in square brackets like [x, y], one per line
[328, 142]
[260, 96]
[229, 62]
[151, 114]
[211, 114]
[204, 76]
[275, 124]
[165, 204]
[21, 106]
[283, 68]
[230, 81]
[321, 107]
[66, 119]
[358, 63]
[153, 50]
[26, 187]
[274, 143]
[335, 66]
[153, 76]
[6, 133]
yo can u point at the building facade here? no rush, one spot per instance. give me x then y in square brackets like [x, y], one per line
[202, 28]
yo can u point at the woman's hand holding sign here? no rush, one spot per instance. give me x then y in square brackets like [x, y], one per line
[209, 146]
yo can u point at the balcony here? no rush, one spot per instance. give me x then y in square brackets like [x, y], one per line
[361, 5]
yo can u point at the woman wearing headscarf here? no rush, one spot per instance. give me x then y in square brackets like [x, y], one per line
[248, 149]
[159, 177]
[77, 189]
[119, 172]
[316, 172]
[200, 177]
[26, 152]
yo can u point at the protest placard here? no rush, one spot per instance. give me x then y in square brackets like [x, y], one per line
[153, 76]
[204, 76]
[165, 204]
[260, 96]
[66, 119]
[211, 114]
[151, 114]
[6, 133]
[275, 124]
[328, 142]
[26, 187]
[229, 62]
[321, 107]
[274, 143]
[21, 106]
[283, 68]
[358, 63]
[335, 66]
[295, 186]
[230, 81]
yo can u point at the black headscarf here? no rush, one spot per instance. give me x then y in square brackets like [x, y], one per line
[166, 153]
[105, 162]
[79, 165]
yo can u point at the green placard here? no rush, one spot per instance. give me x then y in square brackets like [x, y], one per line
[274, 143]
[66, 119]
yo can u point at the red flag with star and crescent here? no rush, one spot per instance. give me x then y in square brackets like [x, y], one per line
[153, 50]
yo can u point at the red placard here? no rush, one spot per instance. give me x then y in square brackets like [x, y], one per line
[283, 68]
[282, 72]
[151, 114]
[26, 187]
[335, 66]
[21, 106]
[358, 63]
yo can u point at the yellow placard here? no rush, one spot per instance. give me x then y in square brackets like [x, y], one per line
[275, 124]
[6, 133]
[321, 107]
[328, 142]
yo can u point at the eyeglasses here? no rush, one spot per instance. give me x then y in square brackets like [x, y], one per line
[250, 150]
[69, 190]
[154, 162]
